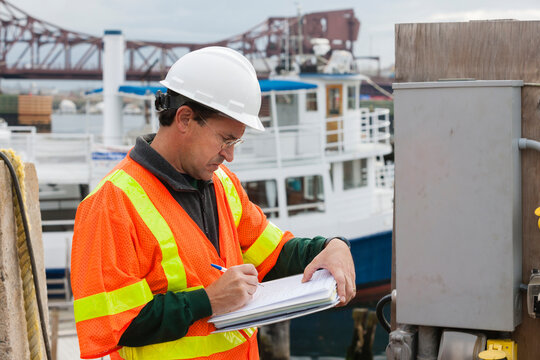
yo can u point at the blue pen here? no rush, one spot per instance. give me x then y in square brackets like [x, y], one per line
[220, 268]
[223, 269]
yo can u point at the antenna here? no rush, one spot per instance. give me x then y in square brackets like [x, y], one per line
[300, 35]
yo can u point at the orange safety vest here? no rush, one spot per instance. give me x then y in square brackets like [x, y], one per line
[132, 240]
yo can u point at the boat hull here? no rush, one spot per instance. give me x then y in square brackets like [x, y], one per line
[329, 333]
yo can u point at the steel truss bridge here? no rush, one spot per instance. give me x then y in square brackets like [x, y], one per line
[31, 48]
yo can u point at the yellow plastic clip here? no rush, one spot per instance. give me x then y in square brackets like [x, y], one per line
[537, 213]
[494, 352]
[506, 345]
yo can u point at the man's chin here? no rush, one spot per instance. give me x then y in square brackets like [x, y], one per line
[209, 172]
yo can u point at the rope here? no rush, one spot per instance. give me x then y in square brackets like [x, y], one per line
[35, 323]
[379, 88]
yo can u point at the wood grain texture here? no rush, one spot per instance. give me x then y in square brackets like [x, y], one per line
[488, 50]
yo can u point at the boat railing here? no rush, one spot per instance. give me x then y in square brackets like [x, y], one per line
[21, 139]
[58, 156]
[310, 207]
[63, 148]
[314, 140]
[376, 125]
[347, 133]
[63, 222]
[48, 147]
[384, 176]
[294, 209]
[309, 142]
[279, 145]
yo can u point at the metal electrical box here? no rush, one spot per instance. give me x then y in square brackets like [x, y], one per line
[458, 204]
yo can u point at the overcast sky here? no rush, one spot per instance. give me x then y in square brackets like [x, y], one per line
[212, 20]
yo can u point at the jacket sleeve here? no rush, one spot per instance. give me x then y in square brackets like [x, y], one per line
[295, 255]
[167, 317]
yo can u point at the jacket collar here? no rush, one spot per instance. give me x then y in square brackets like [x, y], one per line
[151, 160]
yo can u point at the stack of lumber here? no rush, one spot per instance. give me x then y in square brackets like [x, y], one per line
[35, 111]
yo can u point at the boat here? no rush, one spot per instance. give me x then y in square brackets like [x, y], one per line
[318, 169]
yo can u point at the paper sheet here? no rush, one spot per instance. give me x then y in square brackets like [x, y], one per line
[282, 296]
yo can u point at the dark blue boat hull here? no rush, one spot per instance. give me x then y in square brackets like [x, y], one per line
[330, 332]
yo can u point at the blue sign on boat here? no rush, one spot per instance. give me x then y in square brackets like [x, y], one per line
[109, 155]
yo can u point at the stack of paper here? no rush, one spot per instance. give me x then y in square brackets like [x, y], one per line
[282, 299]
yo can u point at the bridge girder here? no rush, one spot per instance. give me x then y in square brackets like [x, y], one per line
[35, 49]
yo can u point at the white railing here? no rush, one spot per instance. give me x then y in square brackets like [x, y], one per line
[63, 148]
[315, 140]
[71, 154]
[284, 144]
[345, 133]
[41, 148]
[21, 139]
[59, 158]
[384, 176]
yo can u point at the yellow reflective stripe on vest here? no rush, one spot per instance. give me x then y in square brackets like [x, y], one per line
[186, 348]
[232, 195]
[265, 244]
[113, 302]
[171, 263]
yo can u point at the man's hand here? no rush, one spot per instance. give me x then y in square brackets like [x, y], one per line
[336, 258]
[233, 289]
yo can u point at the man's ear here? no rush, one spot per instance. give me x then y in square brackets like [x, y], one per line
[183, 117]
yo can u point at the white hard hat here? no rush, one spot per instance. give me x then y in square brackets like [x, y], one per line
[220, 78]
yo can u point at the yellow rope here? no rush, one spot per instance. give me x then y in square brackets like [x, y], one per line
[35, 339]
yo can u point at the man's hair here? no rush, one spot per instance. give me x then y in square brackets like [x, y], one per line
[166, 116]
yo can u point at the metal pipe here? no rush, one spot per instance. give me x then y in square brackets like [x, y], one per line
[379, 312]
[528, 144]
[113, 77]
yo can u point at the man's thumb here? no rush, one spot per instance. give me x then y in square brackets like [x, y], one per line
[308, 273]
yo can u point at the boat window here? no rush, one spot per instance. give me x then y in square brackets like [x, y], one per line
[351, 97]
[354, 174]
[334, 128]
[304, 194]
[287, 109]
[58, 205]
[265, 113]
[333, 100]
[264, 194]
[311, 101]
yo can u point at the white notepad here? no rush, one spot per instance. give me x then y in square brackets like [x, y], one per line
[280, 300]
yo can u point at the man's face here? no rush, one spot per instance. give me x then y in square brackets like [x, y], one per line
[206, 145]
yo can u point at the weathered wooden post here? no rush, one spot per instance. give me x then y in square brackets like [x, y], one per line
[15, 343]
[365, 324]
[274, 343]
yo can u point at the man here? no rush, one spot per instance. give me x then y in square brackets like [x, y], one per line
[144, 239]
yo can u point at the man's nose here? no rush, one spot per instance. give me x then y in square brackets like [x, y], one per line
[228, 153]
